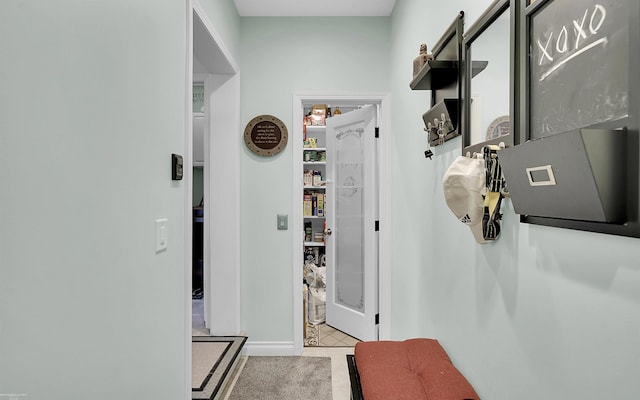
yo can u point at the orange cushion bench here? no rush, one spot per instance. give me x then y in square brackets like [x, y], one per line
[414, 369]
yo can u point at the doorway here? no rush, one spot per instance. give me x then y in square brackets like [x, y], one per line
[346, 102]
[199, 325]
[209, 62]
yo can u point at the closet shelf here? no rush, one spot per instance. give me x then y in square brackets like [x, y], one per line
[316, 128]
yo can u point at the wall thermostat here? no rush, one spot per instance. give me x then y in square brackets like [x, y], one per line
[176, 167]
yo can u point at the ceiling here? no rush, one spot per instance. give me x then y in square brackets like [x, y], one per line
[314, 8]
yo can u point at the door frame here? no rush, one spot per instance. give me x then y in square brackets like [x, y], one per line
[221, 177]
[384, 201]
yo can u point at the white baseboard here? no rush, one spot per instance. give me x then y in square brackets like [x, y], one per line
[268, 349]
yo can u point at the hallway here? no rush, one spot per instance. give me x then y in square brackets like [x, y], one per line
[336, 345]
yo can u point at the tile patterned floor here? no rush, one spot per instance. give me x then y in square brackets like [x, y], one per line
[323, 335]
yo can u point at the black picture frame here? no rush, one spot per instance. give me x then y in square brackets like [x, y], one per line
[526, 114]
[472, 67]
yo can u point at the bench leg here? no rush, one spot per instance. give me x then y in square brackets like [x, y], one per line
[356, 388]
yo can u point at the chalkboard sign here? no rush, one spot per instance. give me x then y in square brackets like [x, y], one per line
[578, 64]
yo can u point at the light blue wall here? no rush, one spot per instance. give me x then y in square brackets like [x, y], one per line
[543, 313]
[91, 107]
[226, 23]
[281, 56]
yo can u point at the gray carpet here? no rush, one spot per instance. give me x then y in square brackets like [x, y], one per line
[284, 378]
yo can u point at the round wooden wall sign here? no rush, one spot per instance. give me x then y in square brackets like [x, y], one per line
[266, 135]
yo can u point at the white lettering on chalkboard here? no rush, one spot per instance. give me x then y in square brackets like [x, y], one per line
[548, 55]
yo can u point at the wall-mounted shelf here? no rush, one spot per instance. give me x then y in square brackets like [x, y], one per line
[435, 75]
[442, 76]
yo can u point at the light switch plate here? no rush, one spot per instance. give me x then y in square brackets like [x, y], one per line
[283, 222]
[162, 235]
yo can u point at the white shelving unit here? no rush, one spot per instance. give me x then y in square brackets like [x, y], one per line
[314, 190]
[314, 211]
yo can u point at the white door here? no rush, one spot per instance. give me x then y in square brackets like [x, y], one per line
[352, 261]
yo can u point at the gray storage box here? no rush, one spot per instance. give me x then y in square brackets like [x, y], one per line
[577, 175]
